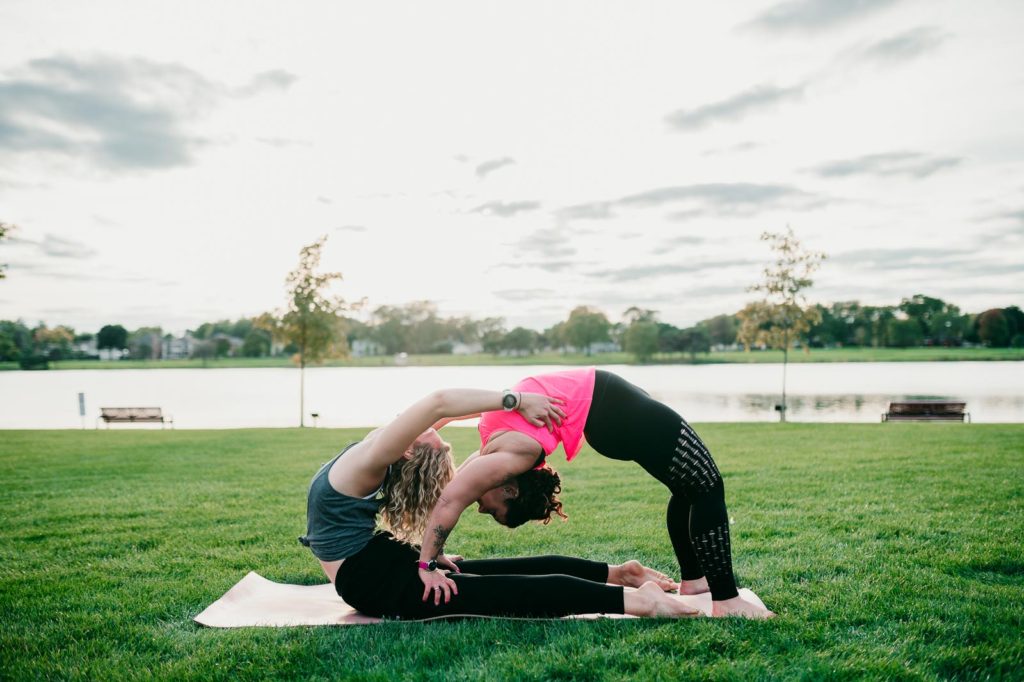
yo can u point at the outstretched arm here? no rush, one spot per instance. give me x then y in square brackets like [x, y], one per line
[474, 479]
[389, 443]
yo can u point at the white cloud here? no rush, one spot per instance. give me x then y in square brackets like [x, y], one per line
[816, 15]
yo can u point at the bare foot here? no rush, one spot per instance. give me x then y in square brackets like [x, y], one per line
[635, 574]
[667, 605]
[698, 586]
[649, 601]
[737, 606]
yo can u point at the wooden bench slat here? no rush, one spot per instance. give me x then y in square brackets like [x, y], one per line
[927, 410]
[134, 415]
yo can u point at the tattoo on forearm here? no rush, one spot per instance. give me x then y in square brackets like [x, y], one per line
[440, 535]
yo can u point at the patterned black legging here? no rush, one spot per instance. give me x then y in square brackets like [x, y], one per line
[625, 423]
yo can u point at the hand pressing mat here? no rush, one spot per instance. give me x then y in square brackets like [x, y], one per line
[257, 602]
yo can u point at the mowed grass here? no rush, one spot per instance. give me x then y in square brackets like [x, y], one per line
[891, 551]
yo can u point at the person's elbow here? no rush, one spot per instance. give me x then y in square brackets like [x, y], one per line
[442, 403]
[449, 504]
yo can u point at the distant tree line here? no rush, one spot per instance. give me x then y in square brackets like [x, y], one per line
[417, 328]
[35, 346]
[917, 321]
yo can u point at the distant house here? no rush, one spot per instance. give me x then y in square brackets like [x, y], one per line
[177, 348]
[86, 347]
[235, 344]
[459, 348]
[152, 341]
[364, 347]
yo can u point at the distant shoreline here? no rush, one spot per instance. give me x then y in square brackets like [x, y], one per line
[618, 358]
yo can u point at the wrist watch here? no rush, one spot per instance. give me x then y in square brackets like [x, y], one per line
[427, 565]
[509, 400]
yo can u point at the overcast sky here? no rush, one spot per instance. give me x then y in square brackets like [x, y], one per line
[165, 162]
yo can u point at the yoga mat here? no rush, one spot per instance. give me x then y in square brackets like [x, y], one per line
[257, 602]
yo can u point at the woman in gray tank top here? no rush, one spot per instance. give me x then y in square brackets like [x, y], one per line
[398, 472]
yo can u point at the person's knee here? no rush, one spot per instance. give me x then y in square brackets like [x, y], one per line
[691, 475]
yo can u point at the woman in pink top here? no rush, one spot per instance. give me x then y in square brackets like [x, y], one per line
[509, 480]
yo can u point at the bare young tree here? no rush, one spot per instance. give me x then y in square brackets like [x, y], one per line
[783, 315]
[311, 321]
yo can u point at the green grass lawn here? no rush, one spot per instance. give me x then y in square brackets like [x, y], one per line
[891, 551]
[552, 358]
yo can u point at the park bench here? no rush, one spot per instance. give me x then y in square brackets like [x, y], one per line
[926, 411]
[134, 415]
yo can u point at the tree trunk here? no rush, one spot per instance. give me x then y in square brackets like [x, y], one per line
[302, 377]
[785, 363]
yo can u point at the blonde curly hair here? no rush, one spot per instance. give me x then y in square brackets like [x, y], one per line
[413, 488]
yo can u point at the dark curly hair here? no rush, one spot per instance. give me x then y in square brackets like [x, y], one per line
[537, 498]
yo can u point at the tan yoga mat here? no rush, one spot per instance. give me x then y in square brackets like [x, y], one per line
[257, 602]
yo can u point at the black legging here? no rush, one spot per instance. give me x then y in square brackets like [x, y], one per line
[625, 423]
[382, 580]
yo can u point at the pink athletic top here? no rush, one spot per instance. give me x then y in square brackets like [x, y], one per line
[574, 386]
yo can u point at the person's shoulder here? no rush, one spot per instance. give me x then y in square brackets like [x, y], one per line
[370, 436]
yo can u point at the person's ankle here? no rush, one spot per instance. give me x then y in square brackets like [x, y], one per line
[694, 585]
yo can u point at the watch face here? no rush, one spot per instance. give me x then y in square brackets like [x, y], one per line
[509, 401]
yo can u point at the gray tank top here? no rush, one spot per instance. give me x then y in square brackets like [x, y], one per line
[338, 526]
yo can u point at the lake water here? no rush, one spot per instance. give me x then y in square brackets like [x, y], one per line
[366, 396]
